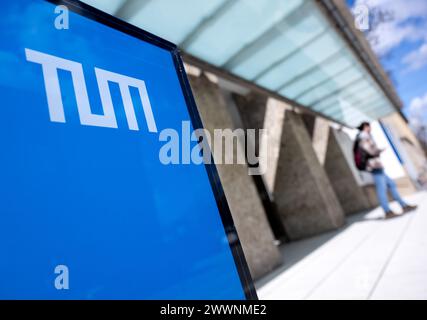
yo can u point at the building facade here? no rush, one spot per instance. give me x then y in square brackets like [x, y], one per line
[302, 71]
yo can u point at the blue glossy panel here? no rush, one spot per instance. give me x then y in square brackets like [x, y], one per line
[97, 199]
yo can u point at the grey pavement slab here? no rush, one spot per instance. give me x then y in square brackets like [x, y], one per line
[369, 258]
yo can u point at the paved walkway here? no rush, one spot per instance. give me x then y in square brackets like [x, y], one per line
[370, 258]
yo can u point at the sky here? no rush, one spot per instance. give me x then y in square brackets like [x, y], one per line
[401, 45]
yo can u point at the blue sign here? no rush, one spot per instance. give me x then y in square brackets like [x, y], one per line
[87, 210]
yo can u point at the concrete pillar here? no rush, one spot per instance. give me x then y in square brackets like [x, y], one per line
[258, 112]
[300, 189]
[337, 167]
[334, 151]
[241, 193]
[252, 109]
[304, 196]
[318, 129]
[371, 195]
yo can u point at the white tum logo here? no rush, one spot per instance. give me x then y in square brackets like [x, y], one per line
[51, 64]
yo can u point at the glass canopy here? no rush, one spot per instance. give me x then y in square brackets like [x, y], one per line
[286, 46]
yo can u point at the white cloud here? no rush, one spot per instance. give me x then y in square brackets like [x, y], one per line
[391, 35]
[409, 25]
[419, 104]
[402, 9]
[402, 27]
[417, 58]
[417, 110]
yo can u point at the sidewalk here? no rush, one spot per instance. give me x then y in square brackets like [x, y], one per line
[369, 258]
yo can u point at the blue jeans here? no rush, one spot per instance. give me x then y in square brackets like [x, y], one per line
[382, 184]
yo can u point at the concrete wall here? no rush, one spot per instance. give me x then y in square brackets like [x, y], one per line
[405, 186]
[371, 195]
[260, 112]
[412, 154]
[246, 208]
[389, 159]
[332, 149]
[303, 194]
[318, 129]
[349, 193]
[303, 197]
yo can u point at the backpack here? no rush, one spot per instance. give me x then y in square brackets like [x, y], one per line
[360, 155]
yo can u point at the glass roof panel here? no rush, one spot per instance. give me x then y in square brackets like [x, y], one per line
[334, 86]
[300, 61]
[286, 46]
[321, 73]
[172, 19]
[239, 26]
[110, 6]
[361, 91]
[302, 28]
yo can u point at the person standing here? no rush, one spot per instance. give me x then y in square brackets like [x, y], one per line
[367, 158]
